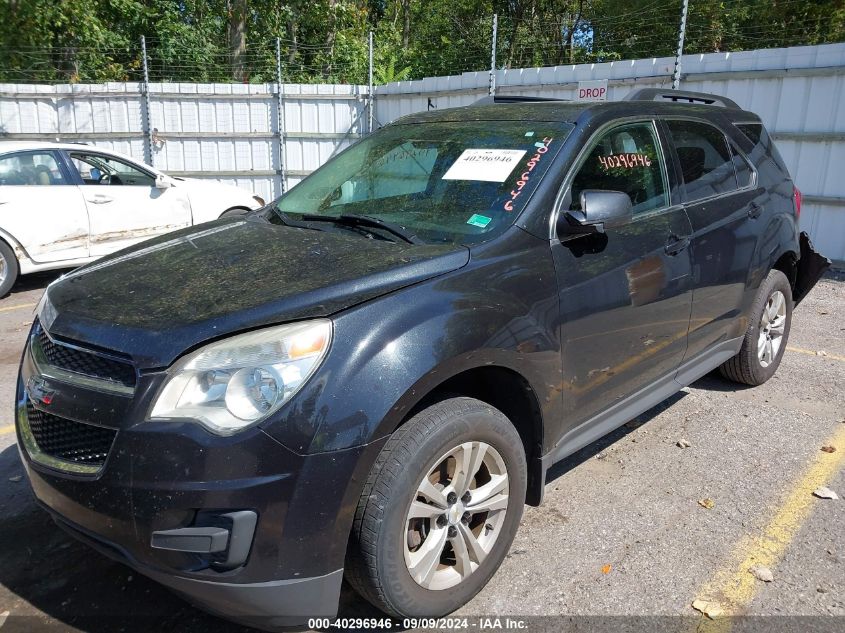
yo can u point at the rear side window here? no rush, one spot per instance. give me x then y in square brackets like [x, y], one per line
[705, 157]
[627, 159]
[764, 148]
[30, 168]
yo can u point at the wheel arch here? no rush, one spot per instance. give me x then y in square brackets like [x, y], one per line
[235, 210]
[787, 263]
[15, 245]
[498, 385]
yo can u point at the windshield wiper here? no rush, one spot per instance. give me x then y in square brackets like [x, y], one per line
[283, 217]
[353, 219]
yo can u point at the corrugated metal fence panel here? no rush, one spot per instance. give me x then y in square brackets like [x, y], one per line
[226, 132]
[798, 92]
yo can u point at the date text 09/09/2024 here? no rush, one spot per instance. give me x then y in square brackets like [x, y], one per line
[441, 624]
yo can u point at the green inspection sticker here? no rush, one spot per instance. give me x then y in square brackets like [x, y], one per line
[479, 220]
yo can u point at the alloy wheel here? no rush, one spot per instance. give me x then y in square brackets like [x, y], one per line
[772, 325]
[456, 515]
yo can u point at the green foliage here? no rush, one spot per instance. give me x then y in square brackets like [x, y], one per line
[326, 40]
[386, 73]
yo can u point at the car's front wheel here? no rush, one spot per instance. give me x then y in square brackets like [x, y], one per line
[8, 269]
[439, 510]
[767, 334]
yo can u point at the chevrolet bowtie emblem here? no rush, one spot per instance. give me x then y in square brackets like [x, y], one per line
[38, 391]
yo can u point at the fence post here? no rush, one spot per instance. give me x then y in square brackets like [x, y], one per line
[370, 91]
[676, 76]
[280, 122]
[492, 87]
[145, 106]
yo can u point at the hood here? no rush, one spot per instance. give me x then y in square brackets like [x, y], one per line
[156, 300]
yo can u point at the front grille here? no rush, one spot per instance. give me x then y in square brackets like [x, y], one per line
[86, 363]
[68, 440]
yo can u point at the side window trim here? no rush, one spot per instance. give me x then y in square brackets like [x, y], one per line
[67, 178]
[584, 153]
[732, 147]
[751, 166]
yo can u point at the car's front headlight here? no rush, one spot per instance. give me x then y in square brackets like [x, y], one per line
[237, 382]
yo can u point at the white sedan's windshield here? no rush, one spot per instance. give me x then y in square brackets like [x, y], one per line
[450, 181]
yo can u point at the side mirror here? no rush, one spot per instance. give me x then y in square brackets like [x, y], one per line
[163, 182]
[600, 210]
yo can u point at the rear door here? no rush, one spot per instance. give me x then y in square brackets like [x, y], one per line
[719, 199]
[124, 205]
[625, 294]
[41, 206]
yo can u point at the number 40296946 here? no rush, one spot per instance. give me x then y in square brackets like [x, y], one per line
[628, 161]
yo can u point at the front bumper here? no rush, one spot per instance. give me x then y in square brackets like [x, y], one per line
[266, 605]
[160, 477]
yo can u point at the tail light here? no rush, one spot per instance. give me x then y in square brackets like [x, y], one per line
[796, 194]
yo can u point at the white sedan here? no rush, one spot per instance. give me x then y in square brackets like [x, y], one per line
[66, 204]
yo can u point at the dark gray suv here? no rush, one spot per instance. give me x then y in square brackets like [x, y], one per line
[370, 376]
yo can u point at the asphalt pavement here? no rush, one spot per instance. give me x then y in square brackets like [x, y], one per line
[635, 528]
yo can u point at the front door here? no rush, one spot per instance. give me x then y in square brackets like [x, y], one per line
[41, 207]
[625, 295]
[124, 204]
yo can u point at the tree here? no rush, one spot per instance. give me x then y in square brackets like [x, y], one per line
[326, 40]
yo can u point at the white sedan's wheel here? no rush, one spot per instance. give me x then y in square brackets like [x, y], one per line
[8, 269]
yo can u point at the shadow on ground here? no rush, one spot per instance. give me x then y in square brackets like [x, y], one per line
[35, 281]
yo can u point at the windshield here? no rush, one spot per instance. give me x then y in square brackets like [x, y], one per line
[442, 182]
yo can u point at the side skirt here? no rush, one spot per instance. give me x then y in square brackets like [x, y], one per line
[640, 401]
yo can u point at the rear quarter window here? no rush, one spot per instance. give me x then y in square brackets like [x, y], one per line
[764, 148]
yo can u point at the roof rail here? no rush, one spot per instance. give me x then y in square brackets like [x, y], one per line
[682, 96]
[514, 99]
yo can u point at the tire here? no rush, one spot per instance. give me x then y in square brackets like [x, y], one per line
[9, 269]
[382, 541]
[757, 361]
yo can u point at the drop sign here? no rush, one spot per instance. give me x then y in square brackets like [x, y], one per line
[592, 90]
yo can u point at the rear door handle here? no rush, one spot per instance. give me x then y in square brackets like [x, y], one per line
[675, 245]
[754, 210]
[99, 199]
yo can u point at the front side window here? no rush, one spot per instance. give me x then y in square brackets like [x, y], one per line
[705, 157]
[444, 182]
[97, 169]
[32, 169]
[626, 159]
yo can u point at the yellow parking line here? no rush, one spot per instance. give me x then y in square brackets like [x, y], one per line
[9, 428]
[810, 352]
[20, 306]
[733, 586]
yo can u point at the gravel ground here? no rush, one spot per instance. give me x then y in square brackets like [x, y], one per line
[621, 532]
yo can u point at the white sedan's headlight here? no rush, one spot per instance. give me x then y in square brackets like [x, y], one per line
[237, 382]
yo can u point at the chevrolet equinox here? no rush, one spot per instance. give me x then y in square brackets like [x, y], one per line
[370, 376]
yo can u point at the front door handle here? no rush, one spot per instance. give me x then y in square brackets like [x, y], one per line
[675, 245]
[99, 199]
[754, 210]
